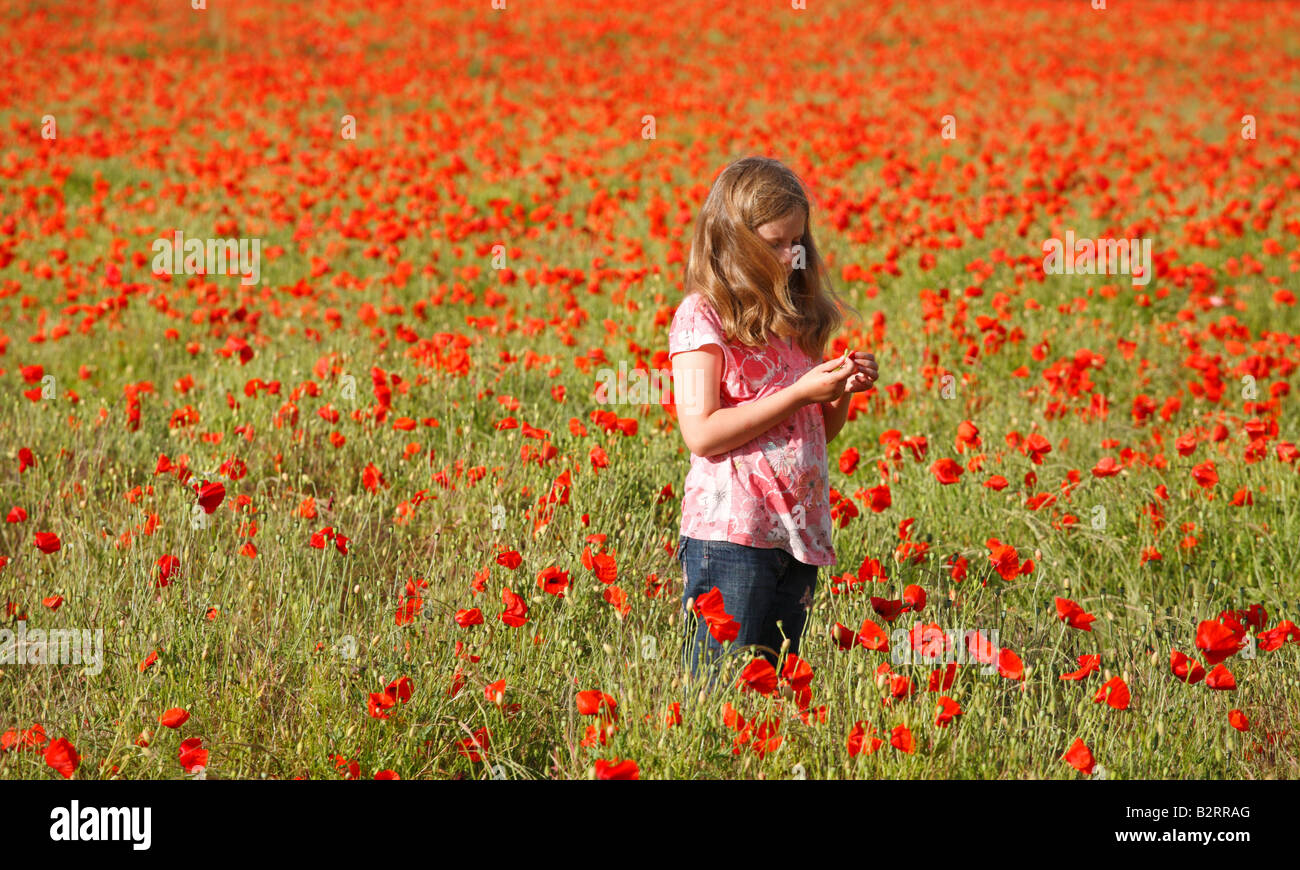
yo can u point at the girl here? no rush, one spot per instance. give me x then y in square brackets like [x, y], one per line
[756, 410]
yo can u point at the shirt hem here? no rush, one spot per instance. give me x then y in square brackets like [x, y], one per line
[750, 543]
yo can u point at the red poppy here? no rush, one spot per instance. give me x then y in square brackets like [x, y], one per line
[62, 756]
[1073, 615]
[1080, 758]
[873, 637]
[1006, 561]
[947, 710]
[655, 585]
[236, 347]
[1221, 678]
[211, 495]
[476, 746]
[1114, 692]
[466, 618]
[758, 676]
[887, 608]
[593, 701]
[618, 598]
[722, 625]
[1186, 669]
[605, 566]
[871, 571]
[674, 715]
[1275, 637]
[1205, 475]
[843, 637]
[901, 686]
[373, 479]
[968, 436]
[407, 609]
[379, 702]
[760, 737]
[914, 598]
[616, 769]
[192, 754]
[1088, 664]
[1009, 665]
[1106, 467]
[349, 769]
[516, 612]
[796, 677]
[849, 460]
[495, 692]
[168, 565]
[929, 642]
[861, 740]
[553, 581]
[941, 679]
[947, 471]
[149, 661]
[400, 688]
[901, 739]
[981, 649]
[1217, 641]
[175, 717]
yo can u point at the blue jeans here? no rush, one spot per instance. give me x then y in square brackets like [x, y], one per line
[759, 588]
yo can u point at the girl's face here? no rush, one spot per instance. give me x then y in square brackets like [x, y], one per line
[783, 234]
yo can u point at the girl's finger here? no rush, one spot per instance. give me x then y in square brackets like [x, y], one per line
[831, 365]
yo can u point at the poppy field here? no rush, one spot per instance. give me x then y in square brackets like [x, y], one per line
[307, 470]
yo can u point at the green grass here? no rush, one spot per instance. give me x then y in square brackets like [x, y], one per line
[278, 682]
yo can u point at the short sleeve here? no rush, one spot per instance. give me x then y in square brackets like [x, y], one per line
[694, 325]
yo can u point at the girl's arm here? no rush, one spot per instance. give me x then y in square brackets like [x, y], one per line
[833, 415]
[709, 430]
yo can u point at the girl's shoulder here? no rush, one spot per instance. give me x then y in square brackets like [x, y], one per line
[694, 301]
[696, 314]
[696, 307]
[696, 323]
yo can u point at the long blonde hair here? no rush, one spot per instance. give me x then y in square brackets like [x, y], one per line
[733, 268]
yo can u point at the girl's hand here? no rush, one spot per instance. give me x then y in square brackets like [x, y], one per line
[824, 382]
[865, 373]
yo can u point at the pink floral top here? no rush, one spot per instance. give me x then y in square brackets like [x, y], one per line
[773, 491]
